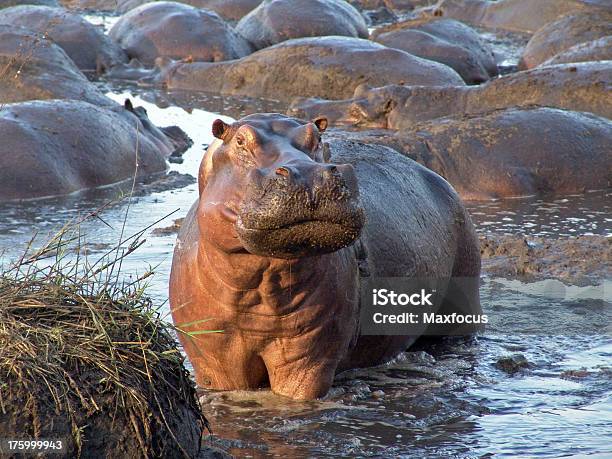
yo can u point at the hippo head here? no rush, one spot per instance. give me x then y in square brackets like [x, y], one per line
[266, 187]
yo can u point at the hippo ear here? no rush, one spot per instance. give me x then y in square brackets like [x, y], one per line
[128, 105]
[220, 129]
[320, 123]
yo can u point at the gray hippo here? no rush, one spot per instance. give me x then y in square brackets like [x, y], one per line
[271, 253]
[177, 31]
[525, 16]
[442, 40]
[328, 67]
[33, 67]
[57, 147]
[580, 87]
[274, 21]
[509, 153]
[87, 45]
[561, 35]
[596, 50]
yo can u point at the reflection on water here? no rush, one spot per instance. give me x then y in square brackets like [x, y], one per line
[444, 399]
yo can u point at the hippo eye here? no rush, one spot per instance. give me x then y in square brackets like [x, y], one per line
[240, 140]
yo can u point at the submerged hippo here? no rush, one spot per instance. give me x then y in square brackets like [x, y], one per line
[177, 31]
[57, 147]
[329, 67]
[561, 35]
[579, 87]
[442, 40]
[514, 15]
[87, 45]
[271, 253]
[274, 21]
[33, 67]
[509, 153]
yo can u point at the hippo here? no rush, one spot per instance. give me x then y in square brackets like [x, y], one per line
[56, 147]
[328, 67]
[33, 67]
[561, 35]
[177, 31]
[274, 21]
[580, 87]
[87, 45]
[596, 50]
[509, 153]
[443, 40]
[99, 6]
[9, 3]
[230, 10]
[525, 16]
[394, 6]
[273, 250]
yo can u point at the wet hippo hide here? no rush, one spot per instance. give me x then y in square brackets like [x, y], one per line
[60, 146]
[281, 278]
[328, 67]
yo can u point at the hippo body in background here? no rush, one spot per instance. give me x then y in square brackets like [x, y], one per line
[561, 35]
[509, 153]
[57, 147]
[87, 45]
[591, 51]
[328, 67]
[580, 87]
[265, 253]
[525, 16]
[442, 40]
[32, 67]
[231, 10]
[177, 31]
[274, 21]
[9, 3]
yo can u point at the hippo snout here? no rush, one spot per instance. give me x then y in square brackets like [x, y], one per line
[299, 209]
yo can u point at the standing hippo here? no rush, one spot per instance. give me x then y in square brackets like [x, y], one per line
[329, 67]
[271, 253]
[274, 21]
[56, 147]
[580, 87]
[87, 45]
[177, 31]
[33, 67]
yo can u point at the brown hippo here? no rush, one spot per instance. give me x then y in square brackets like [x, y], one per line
[57, 147]
[443, 40]
[596, 50]
[268, 253]
[509, 153]
[231, 10]
[396, 6]
[329, 67]
[514, 15]
[33, 67]
[561, 35]
[581, 87]
[87, 45]
[9, 3]
[274, 21]
[177, 31]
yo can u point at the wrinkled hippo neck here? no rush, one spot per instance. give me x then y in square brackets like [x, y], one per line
[243, 282]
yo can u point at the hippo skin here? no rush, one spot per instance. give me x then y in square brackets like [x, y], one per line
[596, 50]
[561, 35]
[580, 87]
[328, 67]
[174, 30]
[56, 147]
[274, 21]
[526, 16]
[87, 45]
[442, 40]
[272, 250]
[33, 67]
[509, 153]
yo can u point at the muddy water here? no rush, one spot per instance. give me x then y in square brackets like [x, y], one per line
[444, 399]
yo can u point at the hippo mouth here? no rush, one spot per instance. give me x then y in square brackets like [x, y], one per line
[302, 238]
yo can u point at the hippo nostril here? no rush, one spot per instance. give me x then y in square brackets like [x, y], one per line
[333, 169]
[282, 171]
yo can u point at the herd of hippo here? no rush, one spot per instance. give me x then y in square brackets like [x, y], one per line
[396, 110]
